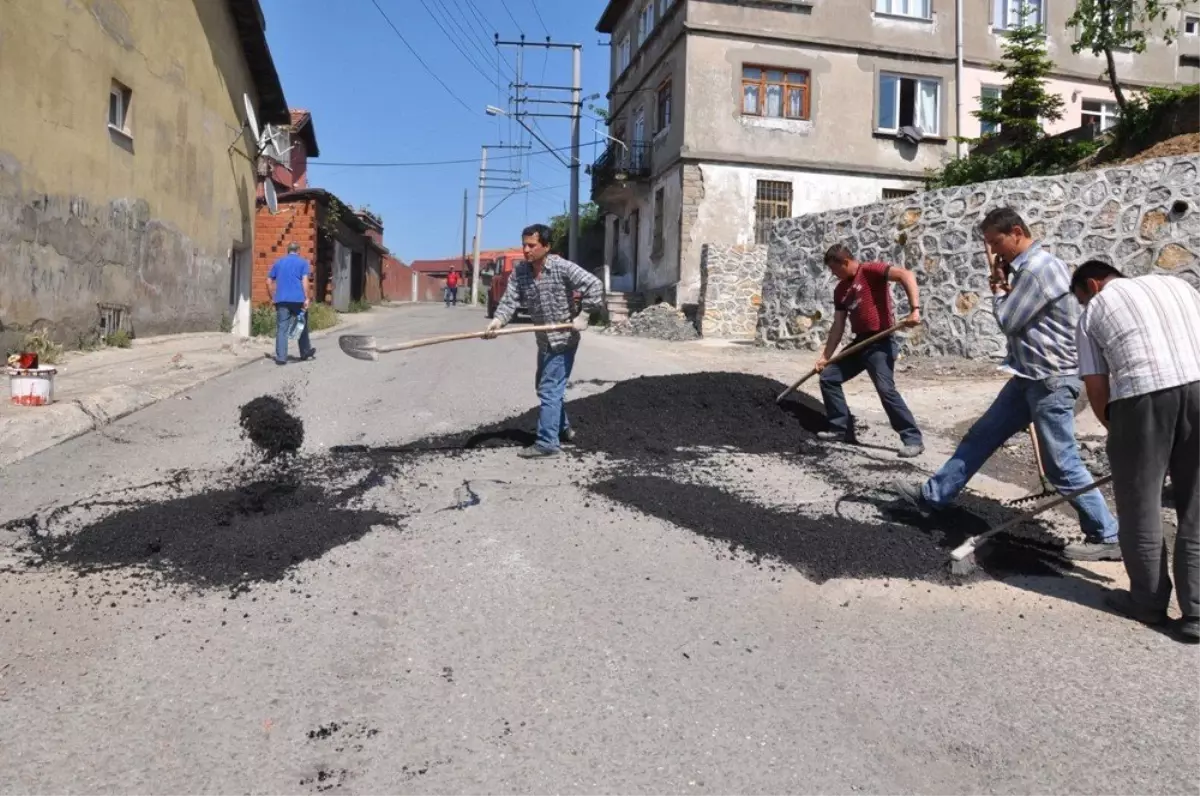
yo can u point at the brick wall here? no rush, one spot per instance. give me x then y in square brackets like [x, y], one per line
[295, 221]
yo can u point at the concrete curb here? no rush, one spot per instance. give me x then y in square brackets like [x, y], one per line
[23, 437]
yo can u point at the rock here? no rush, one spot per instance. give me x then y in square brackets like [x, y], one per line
[660, 321]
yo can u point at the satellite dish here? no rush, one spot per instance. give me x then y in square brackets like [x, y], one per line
[251, 118]
[272, 197]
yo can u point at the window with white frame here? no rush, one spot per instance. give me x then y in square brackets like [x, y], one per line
[909, 102]
[645, 23]
[989, 99]
[623, 54]
[1009, 14]
[917, 9]
[1191, 26]
[119, 100]
[1099, 114]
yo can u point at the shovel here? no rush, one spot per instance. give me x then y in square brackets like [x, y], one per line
[960, 567]
[845, 352]
[366, 348]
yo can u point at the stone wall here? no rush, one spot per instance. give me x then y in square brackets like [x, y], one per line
[730, 290]
[1141, 218]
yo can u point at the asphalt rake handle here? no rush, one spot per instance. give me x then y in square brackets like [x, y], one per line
[845, 352]
[366, 348]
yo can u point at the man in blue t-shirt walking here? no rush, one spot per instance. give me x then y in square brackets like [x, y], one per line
[290, 285]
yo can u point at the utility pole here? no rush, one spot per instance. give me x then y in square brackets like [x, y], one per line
[478, 225]
[576, 105]
[464, 248]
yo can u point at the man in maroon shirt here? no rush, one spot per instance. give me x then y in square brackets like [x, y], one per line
[864, 295]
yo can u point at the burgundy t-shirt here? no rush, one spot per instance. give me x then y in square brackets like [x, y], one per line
[866, 299]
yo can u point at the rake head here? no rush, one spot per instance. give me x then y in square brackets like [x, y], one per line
[359, 346]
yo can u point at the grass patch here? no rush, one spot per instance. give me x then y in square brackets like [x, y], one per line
[359, 305]
[321, 316]
[263, 321]
[119, 339]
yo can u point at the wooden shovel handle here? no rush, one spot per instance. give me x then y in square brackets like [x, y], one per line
[450, 338]
[845, 352]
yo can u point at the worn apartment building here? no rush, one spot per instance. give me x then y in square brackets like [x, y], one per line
[725, 115]
[127, 199]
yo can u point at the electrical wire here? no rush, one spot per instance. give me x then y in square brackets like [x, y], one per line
[510, 16]
[418, 163]
[538, 11]
[453, 41]
[420, 60]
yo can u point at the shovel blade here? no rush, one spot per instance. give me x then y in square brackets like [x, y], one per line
[359, 346]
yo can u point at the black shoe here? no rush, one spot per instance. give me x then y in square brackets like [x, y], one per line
[910, 451]
[277, 362]
[537, 452]
[1092, 550]
[913, 498]
[1188, 629]
[1123, 603]
[568, 435]
[837, 436]
[312, 354]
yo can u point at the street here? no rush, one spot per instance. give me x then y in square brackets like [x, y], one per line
[536, 627]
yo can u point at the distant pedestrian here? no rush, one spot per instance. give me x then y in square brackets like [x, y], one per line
[452, 288]
[1139, 356]
[1038, 316]
[545, 283]
[863, 295]
[290, 285]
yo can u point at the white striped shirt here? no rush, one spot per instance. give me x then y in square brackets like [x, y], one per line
[1144, 333]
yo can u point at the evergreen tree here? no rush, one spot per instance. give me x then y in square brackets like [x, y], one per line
[1024, 102]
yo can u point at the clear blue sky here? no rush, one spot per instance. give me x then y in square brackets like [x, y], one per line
[373, 102]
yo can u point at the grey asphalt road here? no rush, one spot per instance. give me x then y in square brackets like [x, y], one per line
[547, 640]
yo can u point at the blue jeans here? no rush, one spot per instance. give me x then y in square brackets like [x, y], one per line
[879, 361]
[451, 295]
[1050, 405]
[283, 324]
[553, 371]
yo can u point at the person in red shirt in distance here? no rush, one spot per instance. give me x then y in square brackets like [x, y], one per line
[864, 296]
[452, 288]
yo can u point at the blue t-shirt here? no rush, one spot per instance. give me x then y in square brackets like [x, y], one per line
[288, 273]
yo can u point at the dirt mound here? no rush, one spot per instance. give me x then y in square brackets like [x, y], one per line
[660, 321]
[666, 416]
[267, 423]
[1188, 144]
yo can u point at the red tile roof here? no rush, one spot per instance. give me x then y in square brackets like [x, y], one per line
[302, 125]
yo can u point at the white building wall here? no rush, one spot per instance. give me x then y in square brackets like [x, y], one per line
[1073, 93]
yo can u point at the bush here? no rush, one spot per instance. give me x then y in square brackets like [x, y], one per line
[119, 339]
[226, 324]
[321, 316]
[1143, 117]
[39, 342]
[262, 321]
[359, 305]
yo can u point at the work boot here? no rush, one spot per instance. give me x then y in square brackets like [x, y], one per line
[837, 436]
[1122, 602]
[913, 498]
[911, 451]
[537, 452]
[1189, 629]
[312, 354]
[567, 436]
[1092, 550]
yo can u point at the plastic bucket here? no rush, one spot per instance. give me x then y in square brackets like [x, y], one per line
[31, 386]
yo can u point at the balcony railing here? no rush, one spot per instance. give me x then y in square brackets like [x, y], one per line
[620, 163]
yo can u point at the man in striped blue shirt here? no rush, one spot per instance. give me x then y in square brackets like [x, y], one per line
[1033, 304]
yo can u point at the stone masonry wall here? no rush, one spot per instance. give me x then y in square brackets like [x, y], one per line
[731, 290]
[1141, 218]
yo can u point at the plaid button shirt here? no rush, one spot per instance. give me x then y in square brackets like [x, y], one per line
[549, 298]
[1039, 317]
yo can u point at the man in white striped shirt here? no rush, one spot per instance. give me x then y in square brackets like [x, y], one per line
[1139, 356]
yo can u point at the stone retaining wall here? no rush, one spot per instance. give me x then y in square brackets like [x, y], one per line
[731, 280]
[1141, 218]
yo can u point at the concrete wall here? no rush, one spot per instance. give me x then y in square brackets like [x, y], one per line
[719, 206]
[91, 215]
[1141, 218]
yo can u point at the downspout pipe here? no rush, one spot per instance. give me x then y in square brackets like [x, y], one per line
[958, 77]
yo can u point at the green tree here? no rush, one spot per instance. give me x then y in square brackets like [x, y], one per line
[1024, 102]
[591, 235]
[1107, 25]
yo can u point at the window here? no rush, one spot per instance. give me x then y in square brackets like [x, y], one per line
[1007, 14]
[1191, 26]
[1099, 114]
[623, 54]
[119, 97]
[637, 154]
[645, 23]
[909, 102]
[989, 100]
[918, 9]
[659, 196]
[663, 117]
[772, 201]
[897, 193]
[775, 93]
[663, 7]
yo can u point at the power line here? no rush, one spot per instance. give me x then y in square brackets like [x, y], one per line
[416, 163]
[420, 60]
[538, 11]
[454, 42]
[510, 16]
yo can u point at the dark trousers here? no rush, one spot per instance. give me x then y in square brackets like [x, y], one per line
[879, 361]
[1147, 436]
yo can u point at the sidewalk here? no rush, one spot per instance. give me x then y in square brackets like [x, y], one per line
[92, 389]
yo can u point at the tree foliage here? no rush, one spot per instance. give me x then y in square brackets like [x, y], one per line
[591, 235]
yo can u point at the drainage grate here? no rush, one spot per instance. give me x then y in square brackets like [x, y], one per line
[114, 318]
